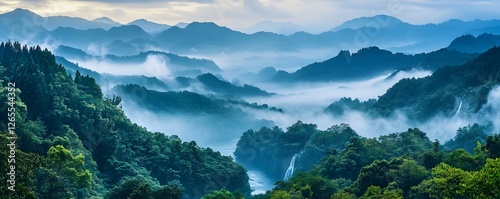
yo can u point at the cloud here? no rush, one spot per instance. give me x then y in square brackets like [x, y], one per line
[315, 15]
[154, 66]
[306, 101]
[146, 1]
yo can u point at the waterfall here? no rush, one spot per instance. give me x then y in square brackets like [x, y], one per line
[289, 171]
[459, 108]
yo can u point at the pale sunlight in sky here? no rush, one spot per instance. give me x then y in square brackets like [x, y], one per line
[313, 15]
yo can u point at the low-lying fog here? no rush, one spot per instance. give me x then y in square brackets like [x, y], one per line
[304, 102]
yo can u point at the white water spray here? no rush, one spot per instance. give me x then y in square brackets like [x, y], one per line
[289, 171]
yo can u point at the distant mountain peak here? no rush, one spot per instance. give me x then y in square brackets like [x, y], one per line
[378, 21]
[150, 26]
[279, 27]
[18, 12]
[106, 20]
[128, 28]
[181, 24]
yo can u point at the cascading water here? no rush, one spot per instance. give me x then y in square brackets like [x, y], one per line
[289, 171]
[459, 108]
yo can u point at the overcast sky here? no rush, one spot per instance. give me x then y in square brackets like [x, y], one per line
[315, 15]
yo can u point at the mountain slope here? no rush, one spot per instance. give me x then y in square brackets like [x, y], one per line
[179, 65]
[285, 28]
[377, 21]
[80, 144]
[370, 62]
[21, 24]
[381, 30]
[425, 97]
[208, 119]
[149, 26]
[107, 20]
[471, 44]
[219, 86]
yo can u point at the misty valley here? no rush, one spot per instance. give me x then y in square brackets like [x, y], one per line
[198, 110]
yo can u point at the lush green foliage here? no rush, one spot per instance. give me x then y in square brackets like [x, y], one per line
[467, 138]
[73, 143]
[223, 194]
[440, 93]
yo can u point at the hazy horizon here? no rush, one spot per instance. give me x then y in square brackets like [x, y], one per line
[242, 14]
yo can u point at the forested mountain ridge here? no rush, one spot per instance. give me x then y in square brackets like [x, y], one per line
[177, 64]
[223, 116]
[398, 165]
[212, 38]
[370, 62]
[75, 143]
[422, 98]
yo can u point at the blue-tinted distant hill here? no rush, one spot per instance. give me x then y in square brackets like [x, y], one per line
[423, 98]
[208, 36]
[21, 24]
[471, 44]
[181, 65]
[71, 53]
[384, 31]
[221, 87]
[149, 26]
[110, 80]
[121, 48]
[371, 62]
[285, 28]
[83, 38]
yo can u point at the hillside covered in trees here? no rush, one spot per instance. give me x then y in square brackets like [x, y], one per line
[338, 163]
[72, 142]
[440, 93]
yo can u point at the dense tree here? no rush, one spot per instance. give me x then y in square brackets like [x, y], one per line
[467, 137]
[431, 158]
[223, 194]
[81, 143]
[493, 146]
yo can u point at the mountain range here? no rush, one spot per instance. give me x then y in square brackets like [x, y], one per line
[381, 30]
[471, 44]
[468, 84]
[367, 63]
